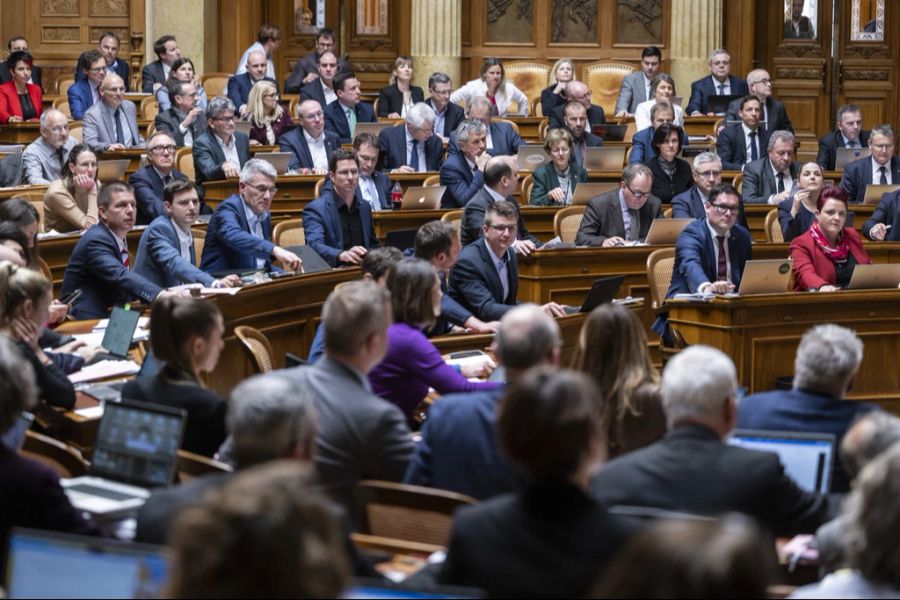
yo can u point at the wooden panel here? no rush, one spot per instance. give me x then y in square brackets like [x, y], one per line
[239, 21]
[296, 42]
[377, 32]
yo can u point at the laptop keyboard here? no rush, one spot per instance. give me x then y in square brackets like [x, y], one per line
[93, 490]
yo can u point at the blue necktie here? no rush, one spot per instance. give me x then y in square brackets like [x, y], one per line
[414, 155]
[120, 135]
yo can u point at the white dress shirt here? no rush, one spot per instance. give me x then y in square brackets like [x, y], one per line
[420, 150]
[230, 150]
[185, 241]
[317, 150]
[876, 174]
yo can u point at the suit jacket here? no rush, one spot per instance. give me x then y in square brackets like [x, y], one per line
[336, 119]
[36, 77]
[545, 180]
[100, 130]
[159, 257]
[453, 116]
[122, 70]
[693, 470]
[887, 212]
[759, 181]
[295, 142]
[323, 229]
[664, 187]
[11, 106]
[549, 100]
[688, 205]
[473, 219]
[830, 142]
[313, 91]
[150, 74]
[382, 184]
[239, 87]
[170, 121]
[462, 184]
[642, 146]
[792, 227]
[390, 99]
[804, 26]
[209, 158]
[776, 115]
[96, 268]
[858, 174]
[632, 93]
[703, 88]
[731, 146]
[603, 219]
[392, 144]
[504, 138]
[695, 257]
[812, 269]
[475, 284]
[595, 116]
[590, 141]
[148, 192]
[804, 411]
[306, 65]
[80, 98]
[229, 242]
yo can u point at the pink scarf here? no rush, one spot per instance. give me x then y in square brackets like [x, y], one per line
[837, 253]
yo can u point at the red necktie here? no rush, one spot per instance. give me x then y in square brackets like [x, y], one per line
[723, 259]
[125, 258]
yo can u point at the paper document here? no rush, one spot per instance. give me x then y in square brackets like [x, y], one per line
[104, 370]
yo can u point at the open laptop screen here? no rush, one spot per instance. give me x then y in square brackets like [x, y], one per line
[808, 458]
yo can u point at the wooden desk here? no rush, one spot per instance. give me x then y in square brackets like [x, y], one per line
[702, 125]
[133, 155]
[529, 128]
[26, 191]
[20, 133]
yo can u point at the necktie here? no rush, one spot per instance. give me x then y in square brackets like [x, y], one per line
[61, 156]
[754, 153]
[120, 135]
[503, 272]
[780, 187]
[635, 229]
[414, 155]
[351, 118]
[721, 89]
[723, 259]
[883, 172]
[125, 260]
[167, 179]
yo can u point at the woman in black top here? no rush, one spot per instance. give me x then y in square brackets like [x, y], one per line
[671, 175]
[552, 96]
[395, 99]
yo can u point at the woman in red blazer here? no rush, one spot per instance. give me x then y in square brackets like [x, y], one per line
[20, 100]
[825, 256]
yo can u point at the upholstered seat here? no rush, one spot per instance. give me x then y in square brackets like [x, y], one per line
[605, 79]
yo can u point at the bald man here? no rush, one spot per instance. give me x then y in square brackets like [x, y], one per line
[577, 91]
[44, 158]
[111, 124]
[239, 85]
[310, 144]
[774, 114]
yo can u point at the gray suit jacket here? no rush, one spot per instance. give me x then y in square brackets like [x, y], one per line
[632, 93]
[603, 219]
[100, 130]
[759, 181]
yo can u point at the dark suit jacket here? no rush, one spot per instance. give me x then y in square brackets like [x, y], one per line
[858, 175]
[603, 219]
[306, 65]
[793, 227]
[595, 116]
[804, 411]
[642, 146]
[695, 257]
[169, 120]
[209, 158]
[36, 78]
[163, 505]
[295, 142]
[150, 74]
[392, 144]
[239, 87]
[159, 257]
[590, 141]
[122, 70]
[812, 269]
[688, 205]
[80, 98]
[549, 100]
[453, 116]
[776, 115]
[759, 181]
[830, 142]
[96, 268]
[148, 192]
[473, 219]
[313, 91]
[666, 188]
[229, 242]
[475, 284]
[336, 119]
[545, 180]
[504, 138]
[804, 26]
[322, 226]
[703, 88]
[731, 146]
[382, 184]
[462, 184]
[887, 212]
[390, 99]
[692, 470]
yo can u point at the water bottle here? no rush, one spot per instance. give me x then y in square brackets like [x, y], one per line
[396, 196]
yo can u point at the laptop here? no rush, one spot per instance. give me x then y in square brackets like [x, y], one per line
[401, 239]
[677, 100]
[808, 458]
[14, 437]
[136, 449]
[610, 133]
[120, 331]
[603, 291]
[44, 564]
[530, 157]
[373, 128]
[848, 155]
[242, 126]
[112, 170]
[279, 160]
[605, 158]
[665, 231]
[585, 191]
[719, 104]
[312, 262]
[422, 198]
[875, 277]
[766, 277]
[875, 192]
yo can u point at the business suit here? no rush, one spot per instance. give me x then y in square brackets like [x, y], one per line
[230, 243]
[830, 142]
[294, 141]
[695, 257]
[81, 98]
[209, 157]
[390, 99]
[693, 470]
[148, 192]
[689, 205]
[550, 100]
[324, 231]
[452, 312]
[603, 219]
[775, 115]
[473, 219]
[731, 146]
[121, 68]
[812, 269]
[150, 74]
[475, 284]
[887, 212]
[11, 105]
[170, 120]
[664, 187]
[760, 183]
[462, 183]
[159, 257]
[306, 65]
[504, 141]
[336, 119]
[100, 130]
[383, 186]
[453, 116]
[96, 268]
[546, 180]
[36, 75]
[703, 88]
[392, 146]
[595, 116]
[858, 174]
[632, 92]
[239, 87]
[642, 146]
[313, 91]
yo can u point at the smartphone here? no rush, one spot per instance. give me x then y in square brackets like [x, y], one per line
[72, 297]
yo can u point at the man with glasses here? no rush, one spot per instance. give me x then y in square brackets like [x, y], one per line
[621, 217]
[221, 151]
[413, 146]
[268, 39]
[500, 139]
[310, 144]
[578, 92]
[447, 115]
[306, 70]
[111, 124]
[719, 83]
[239, 86]
[44, 158]
[882, 168]
[321, 89]
[707, 171]
[342, 116]
[773, 112]
[85, 92]
[848, 134]
[184, 120]
[239, 236]
[149, 182]
[108, 47]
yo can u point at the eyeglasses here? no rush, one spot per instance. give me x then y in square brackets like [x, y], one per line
[97, 70]
[763, 81]
[724, 209]
[226, 119]
[440, 92]
[272, 95]
[637, 195]
[503, 228]
[883, 146]
[162, 149]
[263, 189]
[708, 174]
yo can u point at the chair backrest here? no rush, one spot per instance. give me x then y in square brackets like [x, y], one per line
[151, 129]
[199, 236]
[454, 217]
[75, 130]
[529, 76]
[431, 181]
[515, 126]
[62, 105]
[289, 233]
[660, 265]
[566, 222]
[292, 108]
[773, 227]
[215, 84]
[149, 109]
[318, 190]
[667, 213]
[63, 84]
[535, 108]
[527, 184]
[375, 106]
[65, 460]
[45, 268]
[190, 466]
[407, 512]
[738, 182]
[39, 207]
[543, 127]
[257, 348]
[605, 79]
[718, 125]
[184, 162]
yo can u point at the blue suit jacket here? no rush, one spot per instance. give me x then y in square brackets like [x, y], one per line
[688, 205]
[295, 142]
[887, 212]
[239, 87]
[858, 174]
[703, 88]
[392, 144]
[695, 257]
[230, 245]
[642, 147]
[96, 268]
[322, 226]
[505, 139]
[148, 193]
[122, 70]
[336, 120]
[475, 284]
[159, 257]
[80, 98]
[209, 158]
[462, 184]
[313, 91]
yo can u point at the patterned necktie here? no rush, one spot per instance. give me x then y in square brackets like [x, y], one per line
[351, 118]
[503, 272]
[120, 135]
[883, 172]
[723, 260]
[780, 187]
[414, 155]
[125, 259]
[754, 153]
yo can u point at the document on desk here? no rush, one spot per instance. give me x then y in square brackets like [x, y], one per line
[93, 412]
[105, 369]
[698, 297]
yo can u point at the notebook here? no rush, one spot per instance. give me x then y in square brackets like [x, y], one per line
[875, 277]
[279, 160]
[112, 170]
[531, 156]
[665, 231]
[766, 277]
[808, 458]
[602, 292]
[604, 158]
[424, 198]
[401, 239]
[848, 155]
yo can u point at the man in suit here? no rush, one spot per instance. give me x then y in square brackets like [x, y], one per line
[45, 157]
[268, 39]
[239, 86]
[884, 224]
[799, 26]
[220, 152]
[636, 87]
[462, 172]
[575, 120]
[642, 142]
[306, 70]
[827, 361]
[412, 147]
[342, 116]
[693, 470]
[111, 124]
[184, 120]
[239, 235]
[501, 139]
[770, 179]
[848, 134]
[719, 83]
[154, 75]
[321, 89]
[577, 91]
[311, 144]
[621, 216]
[743, 142]
[485, 279]
[338, 224]
[108, 46]
[166, 253]
[374, 186]
[707, 172]
[882, 168]
[85, 92]
[19, 44]
[773, 112]
[459, 450]
[447, 115]
[148, 182]
[99, 265]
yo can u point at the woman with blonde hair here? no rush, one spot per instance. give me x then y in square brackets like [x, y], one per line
[266, 116]
[398, 97]
[563, 72]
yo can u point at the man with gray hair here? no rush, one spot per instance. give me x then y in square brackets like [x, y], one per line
[463, 172]
[827, 361]
[881, 168]
[622, 216]
[707, 172]
[693, 470]
[412, 147]
[459, 450]
[769, 180]
[239, 236]
[500, 138]
[220, 152]
[719, 83]
[111, 124]
[773, 112]
[45, 157]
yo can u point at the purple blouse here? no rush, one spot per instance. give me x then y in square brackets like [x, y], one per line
[278, 127]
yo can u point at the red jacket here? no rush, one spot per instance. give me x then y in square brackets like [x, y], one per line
[812, 269]
[9, 100]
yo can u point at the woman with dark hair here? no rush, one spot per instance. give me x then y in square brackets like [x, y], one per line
[412, 363]
[797, 212]
[186, 334]
[400, 95]
[671, 175]
[267, 118]
[23, 215]
[13, 244]
[20, 100]
[495, 87]
[70, 203]
[182, 70]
